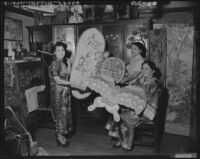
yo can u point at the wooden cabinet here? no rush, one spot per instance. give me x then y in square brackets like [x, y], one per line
[20, 76]
[40, 38]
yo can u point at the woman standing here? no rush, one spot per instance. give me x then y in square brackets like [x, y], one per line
[59, 72]
[129, 119]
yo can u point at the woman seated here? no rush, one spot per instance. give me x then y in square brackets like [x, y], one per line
[129, 119]
[133, 71]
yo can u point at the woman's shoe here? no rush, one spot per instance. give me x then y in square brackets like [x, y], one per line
[66, 144]
[127, 150]
[60, 143]
[117, 145]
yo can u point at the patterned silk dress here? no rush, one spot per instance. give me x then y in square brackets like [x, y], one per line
[61, 98]
[129, 119]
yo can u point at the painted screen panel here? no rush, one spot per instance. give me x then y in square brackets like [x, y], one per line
[179, 66]
[179, 78]
[158, 50]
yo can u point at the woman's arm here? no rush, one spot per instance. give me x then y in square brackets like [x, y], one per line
[69, 65]
[58, 80]
[152, 95]
[54, 72]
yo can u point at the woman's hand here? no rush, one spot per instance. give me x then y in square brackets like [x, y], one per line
[122, 81]
[74, 84]
[69, 63]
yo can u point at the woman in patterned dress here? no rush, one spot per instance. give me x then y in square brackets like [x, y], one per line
[133, 71]
[59, 72]
[129, 119]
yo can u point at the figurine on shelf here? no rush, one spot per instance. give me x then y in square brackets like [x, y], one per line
[76, 18]
[18, 51]
[11, 53]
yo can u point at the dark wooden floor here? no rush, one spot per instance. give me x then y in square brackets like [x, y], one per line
[91, 139]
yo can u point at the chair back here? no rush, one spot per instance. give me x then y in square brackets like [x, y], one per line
[162, 104]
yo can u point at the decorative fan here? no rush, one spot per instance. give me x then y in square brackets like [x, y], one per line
[113, 67]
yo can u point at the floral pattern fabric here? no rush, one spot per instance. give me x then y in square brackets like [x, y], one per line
[130, 119]
[61, 98]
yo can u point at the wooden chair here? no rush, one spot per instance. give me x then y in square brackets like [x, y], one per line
[154, 129]
[14, 122]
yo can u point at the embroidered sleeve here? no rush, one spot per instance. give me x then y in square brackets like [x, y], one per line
[152, 95]
[54, 69]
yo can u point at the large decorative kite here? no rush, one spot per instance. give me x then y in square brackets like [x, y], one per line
[90, 48]
[89, 53]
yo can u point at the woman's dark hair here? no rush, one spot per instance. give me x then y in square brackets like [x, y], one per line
[152, 65]
[59, 44]
[67, 53]
[141, 47]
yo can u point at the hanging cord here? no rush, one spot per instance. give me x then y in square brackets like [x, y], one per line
[46, 53]
[44, 59]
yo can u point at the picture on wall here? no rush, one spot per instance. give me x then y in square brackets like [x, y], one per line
[13, 29]
[88, 13]
[122, 11]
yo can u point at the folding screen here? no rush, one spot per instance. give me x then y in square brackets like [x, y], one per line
[179, 62]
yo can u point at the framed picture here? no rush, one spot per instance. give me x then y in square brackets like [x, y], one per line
[88, 13]
[13, 29]
[122, 11]
[108, 12]
[98, 12]
[60, 17]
